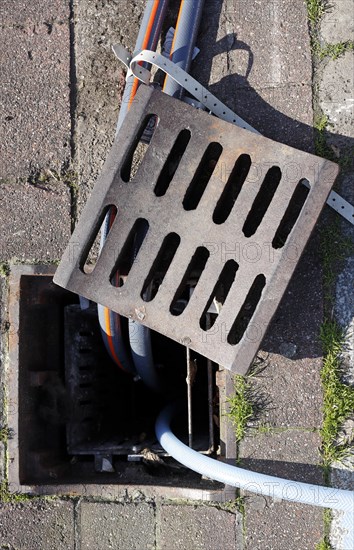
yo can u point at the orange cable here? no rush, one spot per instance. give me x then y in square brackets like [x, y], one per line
[144, 46]
[132, 95]
[174, 37]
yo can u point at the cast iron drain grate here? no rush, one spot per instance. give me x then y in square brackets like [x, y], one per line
[209, 203]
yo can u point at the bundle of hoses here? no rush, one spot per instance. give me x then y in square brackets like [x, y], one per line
[139, 357]
[181, 54]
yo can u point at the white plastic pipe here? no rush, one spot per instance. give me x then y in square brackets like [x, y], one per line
[270, 486]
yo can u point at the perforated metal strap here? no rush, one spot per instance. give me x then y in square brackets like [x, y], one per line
[341, 206]
[212, 103]
[182, 78]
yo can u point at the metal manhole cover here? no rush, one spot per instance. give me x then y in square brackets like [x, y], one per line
[222, 209]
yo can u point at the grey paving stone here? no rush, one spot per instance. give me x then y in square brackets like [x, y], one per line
[267, 42]
[342, 474]
[289, 387]
[35, 122]
[100, 79]
[20, 12]
[182, 527]
[256, 58]
[281, 525]
[37, 525]
[290, 393]
[283, 113]
[118, 526]
[291, 454]
[336, 99]
[337, 24]
[34, 221]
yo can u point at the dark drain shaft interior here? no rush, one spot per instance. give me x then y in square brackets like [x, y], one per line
[82, 420]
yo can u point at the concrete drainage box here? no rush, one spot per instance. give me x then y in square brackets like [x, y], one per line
[80, 426]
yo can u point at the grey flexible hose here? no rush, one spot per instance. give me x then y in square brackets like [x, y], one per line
[184, 41]
[183, 46]
[271, 486]
[120, 352]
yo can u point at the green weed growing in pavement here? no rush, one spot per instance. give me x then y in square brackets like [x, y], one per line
[334, 51]
[316, 10]
[327, 519]
[240, 406]
[338, 398]
[5, 434]
[320, 125]
[240, 504]
[323, 545]
[4, 269]
[7, 497]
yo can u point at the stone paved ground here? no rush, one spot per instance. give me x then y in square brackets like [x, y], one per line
[61, 88]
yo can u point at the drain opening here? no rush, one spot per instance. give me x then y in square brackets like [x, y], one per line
[202, 176]
[90, 254]
[171, 165]
[80, 407]
[219, 294]
[139, 148]
[232, 189]
[247, 310]
[292, 213]
[190, 280]
[262, 201]
[160, 266]
[129, 252]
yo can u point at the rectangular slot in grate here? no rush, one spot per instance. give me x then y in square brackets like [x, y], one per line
[210, 194]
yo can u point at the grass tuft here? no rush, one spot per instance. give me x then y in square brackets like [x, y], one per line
[5, 434]
[334, 51]
[7, 497]
[322, 149]
[325, 542]
[323, 545]
[240, 406]
[316, 10]
[338, 399]
[4, 269]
